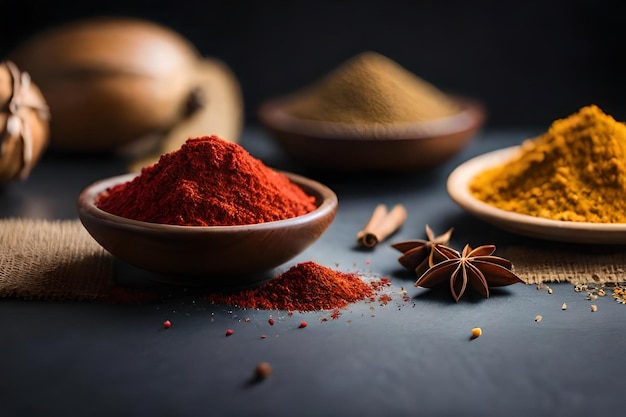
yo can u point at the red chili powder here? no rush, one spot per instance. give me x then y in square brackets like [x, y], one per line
[207, 182]
[306, 286]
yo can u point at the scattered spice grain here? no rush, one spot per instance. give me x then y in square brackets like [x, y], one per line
[262, 370]
[538, 318]
[576, 171]
[384, 299]
[270, 321]
[229, 332]
[619, 294]
[476, 332]
[302, 324]
[167, 324]
[207, 182]
[594, 308]
[564, 306]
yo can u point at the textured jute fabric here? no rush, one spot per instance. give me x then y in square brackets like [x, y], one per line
[578, 265]
[43, 259]
[59, 260]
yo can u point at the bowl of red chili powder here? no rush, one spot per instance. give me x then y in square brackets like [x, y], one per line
[208, 210]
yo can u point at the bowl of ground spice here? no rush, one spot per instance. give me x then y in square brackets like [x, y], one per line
[208, 212]
[371, 114]
[568, 184]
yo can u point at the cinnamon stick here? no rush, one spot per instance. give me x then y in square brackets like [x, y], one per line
[381, 225]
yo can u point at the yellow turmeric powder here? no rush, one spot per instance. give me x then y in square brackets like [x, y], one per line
[576, 171]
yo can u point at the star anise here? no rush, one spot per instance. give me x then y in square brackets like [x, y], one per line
[418, 254]
[477, 267]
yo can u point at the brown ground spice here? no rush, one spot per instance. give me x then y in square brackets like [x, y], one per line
[371, 89]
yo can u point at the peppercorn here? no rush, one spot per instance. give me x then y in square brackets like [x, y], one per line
[262, 370]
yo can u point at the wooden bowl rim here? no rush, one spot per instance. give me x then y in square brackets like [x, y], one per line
[273, 115]
[325, 200]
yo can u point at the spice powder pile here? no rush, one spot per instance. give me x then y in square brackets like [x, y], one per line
[207, 182]
[306, 286]
[371, 89]
[576, 171]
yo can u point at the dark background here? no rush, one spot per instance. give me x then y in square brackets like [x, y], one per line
[529, 62]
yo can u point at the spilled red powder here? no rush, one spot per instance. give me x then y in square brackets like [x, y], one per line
[384, 299]
[306, 286]
[207, 182]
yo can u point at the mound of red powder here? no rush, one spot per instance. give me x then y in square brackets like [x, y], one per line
[306, 286]
[207, 182]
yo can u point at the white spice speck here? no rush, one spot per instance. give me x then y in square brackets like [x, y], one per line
[538, 318]
[564, 306]
[594, 308]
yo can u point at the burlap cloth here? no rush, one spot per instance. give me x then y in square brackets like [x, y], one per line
[59, 260]
[577, 264]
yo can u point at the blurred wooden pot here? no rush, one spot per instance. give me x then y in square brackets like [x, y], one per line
[111, 82]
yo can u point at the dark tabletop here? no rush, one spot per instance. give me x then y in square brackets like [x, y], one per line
[404, 358]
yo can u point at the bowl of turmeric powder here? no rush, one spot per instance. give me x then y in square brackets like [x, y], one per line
[567, 184]
[209, 214]
[371, 114]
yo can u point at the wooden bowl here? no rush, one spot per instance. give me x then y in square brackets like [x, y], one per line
[214, 256]
[352, 147]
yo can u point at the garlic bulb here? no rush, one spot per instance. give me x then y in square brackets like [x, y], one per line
[24, 129]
